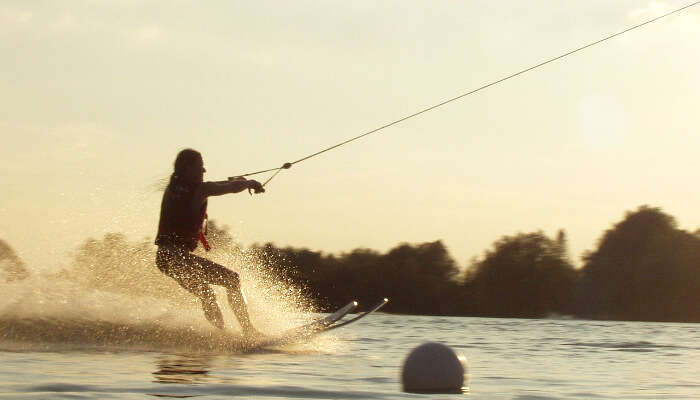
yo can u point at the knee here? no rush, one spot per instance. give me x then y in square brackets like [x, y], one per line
[235, 281]
[232, 280]
[204, 293]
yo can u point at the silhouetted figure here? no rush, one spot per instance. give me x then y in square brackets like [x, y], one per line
[182, 214]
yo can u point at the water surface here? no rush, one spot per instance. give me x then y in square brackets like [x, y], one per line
[507, 358]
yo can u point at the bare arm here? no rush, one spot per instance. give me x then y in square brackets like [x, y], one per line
[230, 186]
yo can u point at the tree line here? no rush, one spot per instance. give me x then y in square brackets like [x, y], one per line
[644, 268]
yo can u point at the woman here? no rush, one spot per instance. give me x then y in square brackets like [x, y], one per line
[182, 214]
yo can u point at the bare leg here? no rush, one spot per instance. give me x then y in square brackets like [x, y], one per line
[196, 274]
[211, 310]
[239, 305]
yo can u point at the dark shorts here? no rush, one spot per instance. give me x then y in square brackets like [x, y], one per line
[192, 272]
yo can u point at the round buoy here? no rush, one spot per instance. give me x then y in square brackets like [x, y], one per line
[434, 368]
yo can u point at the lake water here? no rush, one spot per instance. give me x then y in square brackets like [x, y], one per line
[507, 359]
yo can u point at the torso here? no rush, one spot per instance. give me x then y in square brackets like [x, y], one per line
[182, 212]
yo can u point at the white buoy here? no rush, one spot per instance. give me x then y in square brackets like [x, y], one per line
[434, 368]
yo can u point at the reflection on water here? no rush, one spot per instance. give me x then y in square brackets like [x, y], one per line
[182, 369]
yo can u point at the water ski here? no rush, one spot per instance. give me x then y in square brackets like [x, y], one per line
[305, 331]
[317, 326]
[372, 309]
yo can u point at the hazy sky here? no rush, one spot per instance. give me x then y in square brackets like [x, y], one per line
[97, 97]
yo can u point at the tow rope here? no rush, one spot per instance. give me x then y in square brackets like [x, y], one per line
[288, 165]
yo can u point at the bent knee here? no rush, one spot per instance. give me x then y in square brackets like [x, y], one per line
[227, 278]
[235, 281]
[204, 292]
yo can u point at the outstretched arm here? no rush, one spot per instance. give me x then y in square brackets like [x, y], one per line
[230, 186]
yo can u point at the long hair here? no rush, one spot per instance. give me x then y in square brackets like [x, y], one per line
[185, 158]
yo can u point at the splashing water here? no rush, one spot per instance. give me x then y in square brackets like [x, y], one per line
[111, 296]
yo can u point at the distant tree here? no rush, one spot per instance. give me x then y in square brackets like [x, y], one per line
[418, 279]
[527, 275]
[12, 268]
[353, 275]
[562, 243]
[644, 268]
[331, 281]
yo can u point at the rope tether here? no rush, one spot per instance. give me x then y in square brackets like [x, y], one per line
[288, 165]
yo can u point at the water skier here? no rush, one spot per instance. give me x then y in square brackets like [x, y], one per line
[182, 213]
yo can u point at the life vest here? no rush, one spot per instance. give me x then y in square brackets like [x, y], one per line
[181, 219]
